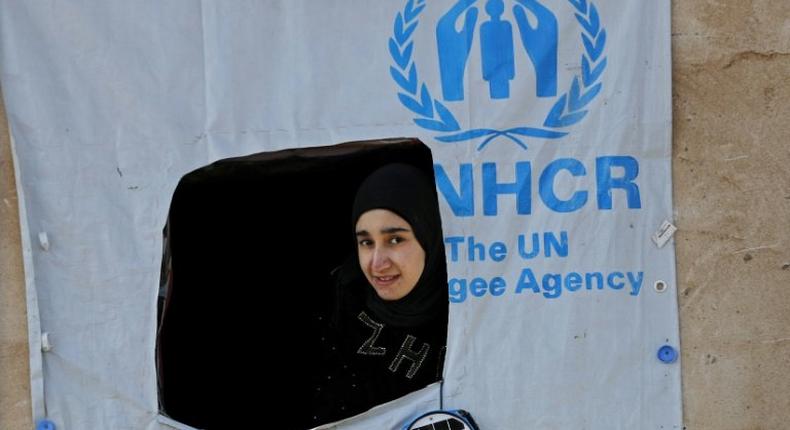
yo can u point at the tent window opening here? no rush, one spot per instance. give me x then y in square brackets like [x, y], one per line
[258, 315]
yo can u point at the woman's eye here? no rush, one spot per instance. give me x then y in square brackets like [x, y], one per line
[365, 242]
[396, 240]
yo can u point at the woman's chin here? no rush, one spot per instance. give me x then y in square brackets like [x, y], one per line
[389, 293]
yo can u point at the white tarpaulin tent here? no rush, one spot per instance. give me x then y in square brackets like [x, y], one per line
[550, 128]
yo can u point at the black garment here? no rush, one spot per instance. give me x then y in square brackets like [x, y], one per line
[373, 350]
[406, 191]
[366, 362]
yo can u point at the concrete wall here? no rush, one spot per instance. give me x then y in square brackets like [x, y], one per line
[731, 173]
[15, 404]
[731, 157]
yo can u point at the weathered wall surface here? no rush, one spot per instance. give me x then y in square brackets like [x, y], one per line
[731, 156]
[15, 405]
[731, 168]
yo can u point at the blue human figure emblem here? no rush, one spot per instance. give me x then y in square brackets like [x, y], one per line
[496, 46]
[540, 43]
[538, 31]
[454, 47]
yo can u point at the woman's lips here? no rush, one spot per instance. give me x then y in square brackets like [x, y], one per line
[385, 281]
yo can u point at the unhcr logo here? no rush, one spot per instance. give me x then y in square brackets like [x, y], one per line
[534, 34]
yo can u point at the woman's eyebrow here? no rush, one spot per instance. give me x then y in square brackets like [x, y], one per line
[387, 230]
[390, 230]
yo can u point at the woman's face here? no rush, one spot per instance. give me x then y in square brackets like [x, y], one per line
[389, 254]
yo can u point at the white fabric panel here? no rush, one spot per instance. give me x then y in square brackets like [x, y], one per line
[394, 414]
[111, 102]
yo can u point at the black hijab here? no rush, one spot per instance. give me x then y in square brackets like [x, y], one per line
[410, 193]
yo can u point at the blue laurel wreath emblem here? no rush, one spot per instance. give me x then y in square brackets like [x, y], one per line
[569, 108]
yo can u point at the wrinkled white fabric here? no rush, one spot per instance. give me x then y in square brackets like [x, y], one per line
[111, 102]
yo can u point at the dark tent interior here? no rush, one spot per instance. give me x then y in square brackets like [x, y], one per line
[250, 244]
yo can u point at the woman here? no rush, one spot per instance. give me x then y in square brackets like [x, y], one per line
[388, 324]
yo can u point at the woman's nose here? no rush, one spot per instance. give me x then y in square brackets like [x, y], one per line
[381, 259]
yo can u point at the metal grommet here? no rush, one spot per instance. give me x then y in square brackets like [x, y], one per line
[660, 286]
[667, 354]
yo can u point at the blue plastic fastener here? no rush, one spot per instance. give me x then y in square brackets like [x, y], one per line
[45, 425]
[667, 354]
